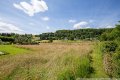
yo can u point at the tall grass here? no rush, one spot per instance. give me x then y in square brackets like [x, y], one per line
[48, 61]
[78, 67]
[97, 58]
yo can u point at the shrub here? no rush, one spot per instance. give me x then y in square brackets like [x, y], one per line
[116, 64]
[50, 40]
[109, 46]
[111, 61]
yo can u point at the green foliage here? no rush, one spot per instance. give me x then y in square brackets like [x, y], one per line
[112, 61]
[23, 39]
[7, 39]
[50, 40]
[104, 36]
[116, 64]
[111, 35]
[109, 46]
[16, 38]
[79, 34]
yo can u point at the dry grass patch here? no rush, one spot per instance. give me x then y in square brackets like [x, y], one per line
[48, 61]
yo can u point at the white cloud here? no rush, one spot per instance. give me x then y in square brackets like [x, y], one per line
[9, 28]
[72, 21]
[35, 6]
[106, 26]
[81, 25]
[109, 26]
[45, 18]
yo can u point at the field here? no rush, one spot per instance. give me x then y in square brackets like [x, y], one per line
[50, 61]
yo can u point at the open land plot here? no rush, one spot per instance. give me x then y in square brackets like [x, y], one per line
[48, 61]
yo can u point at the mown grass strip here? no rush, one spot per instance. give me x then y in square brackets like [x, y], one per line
[98, 62]
[12, 50]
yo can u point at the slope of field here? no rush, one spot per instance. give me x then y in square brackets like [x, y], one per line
[49, 61]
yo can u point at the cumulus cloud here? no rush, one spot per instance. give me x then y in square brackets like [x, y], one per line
[106, 26]
[81, 25]
[45, 18]
[72, 21]
[109, 26]
[35, 6]
[9, 28]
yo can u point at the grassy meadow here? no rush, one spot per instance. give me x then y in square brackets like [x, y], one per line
[49, 61]
[59, 39]
[60, 60]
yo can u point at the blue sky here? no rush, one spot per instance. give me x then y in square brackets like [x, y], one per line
[38, 16]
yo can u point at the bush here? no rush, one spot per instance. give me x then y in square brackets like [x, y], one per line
[116, 63]
[111, 61]
[109, 46]
[50, 41]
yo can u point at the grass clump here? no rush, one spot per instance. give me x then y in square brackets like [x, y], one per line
[78, 67]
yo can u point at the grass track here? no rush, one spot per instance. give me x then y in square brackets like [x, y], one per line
[98, 62]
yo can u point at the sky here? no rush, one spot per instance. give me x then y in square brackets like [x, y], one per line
[40, 16]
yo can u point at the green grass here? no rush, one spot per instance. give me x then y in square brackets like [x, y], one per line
[78, 67]
[98, 62]
[11, 49]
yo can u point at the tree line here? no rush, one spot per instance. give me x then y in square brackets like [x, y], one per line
[80, 34]
[12, 38]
